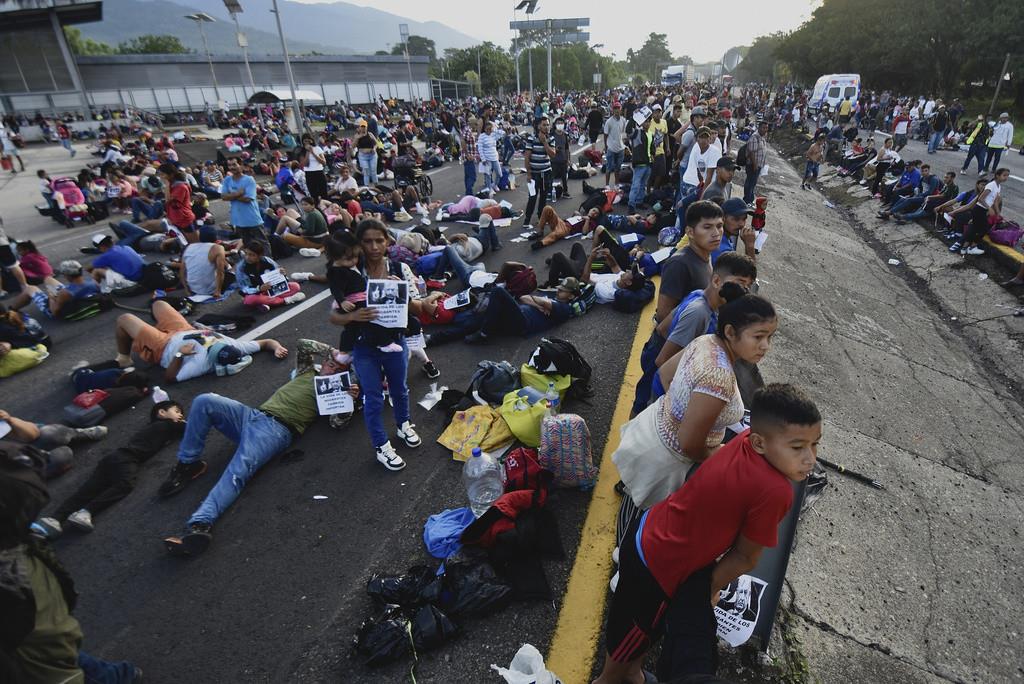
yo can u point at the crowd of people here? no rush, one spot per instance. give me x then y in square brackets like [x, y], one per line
[703, 420]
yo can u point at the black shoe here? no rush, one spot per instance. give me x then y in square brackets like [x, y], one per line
[497, 248]
[181, 475]
[431, 370]
[479, 337]
[193, 543]
[88, 250]
[566, 195]
[533, 237]
[536, 245]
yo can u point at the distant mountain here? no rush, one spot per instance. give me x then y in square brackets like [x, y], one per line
[327, 28]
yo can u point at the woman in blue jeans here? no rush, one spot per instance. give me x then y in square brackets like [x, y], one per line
[366, 153]
[374, 366]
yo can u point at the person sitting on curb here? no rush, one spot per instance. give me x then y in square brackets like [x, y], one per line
[116, 473]
[54, 441]
[183, 350]
[41, 639]
[260, 434]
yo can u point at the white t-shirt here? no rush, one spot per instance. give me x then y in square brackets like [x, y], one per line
[994, 190]
[700, 162]
[347, 184]
[901, 127]
[199, 363]
[312, 163]
[604, 286]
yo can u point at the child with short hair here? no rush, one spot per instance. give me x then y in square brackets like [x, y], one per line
[731, 505]
[814, 157]
[115, 474]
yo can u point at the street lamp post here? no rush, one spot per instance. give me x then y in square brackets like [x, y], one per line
[203, 18]
[234, 9]
[403, 31]
[299, 119]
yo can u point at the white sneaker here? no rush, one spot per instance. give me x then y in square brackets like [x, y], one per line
[407, 433]
[615, 581]
[295, 298]
[49, 527]
[301, 276]
[81, 520]
[975, 251]
[615, 555]
[309, 252]
[389, 458]
[96, 432]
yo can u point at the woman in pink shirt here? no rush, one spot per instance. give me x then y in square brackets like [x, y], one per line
[34, 265]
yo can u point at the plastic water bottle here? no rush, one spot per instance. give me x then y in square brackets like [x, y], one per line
[552, 409]
[483, 478]
[552, 394]
[159, 394]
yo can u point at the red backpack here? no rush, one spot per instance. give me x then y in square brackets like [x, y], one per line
[522, 471]
[522, 282]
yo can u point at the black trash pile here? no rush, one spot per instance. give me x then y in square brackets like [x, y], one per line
[417, 608]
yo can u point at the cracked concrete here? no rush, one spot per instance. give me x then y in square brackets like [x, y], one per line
[921, 389]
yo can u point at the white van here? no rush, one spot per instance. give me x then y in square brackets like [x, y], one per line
[831, 89]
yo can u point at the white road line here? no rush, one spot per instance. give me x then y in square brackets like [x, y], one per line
[291, 312]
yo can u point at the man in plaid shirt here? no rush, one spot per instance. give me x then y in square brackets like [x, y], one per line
[757, 154]
[470, 157]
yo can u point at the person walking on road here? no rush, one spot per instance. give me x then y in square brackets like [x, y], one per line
[976, 140]
[757, 154]
[64, 134]
[1002, 136]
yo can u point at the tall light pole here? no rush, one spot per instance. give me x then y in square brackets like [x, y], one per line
[234, 9]
[403, 31]
[203, 18]
[299, 119]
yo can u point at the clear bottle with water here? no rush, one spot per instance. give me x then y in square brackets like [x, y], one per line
[551, 398]
[484, 480]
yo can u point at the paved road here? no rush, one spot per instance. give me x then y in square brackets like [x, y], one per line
[282, 588]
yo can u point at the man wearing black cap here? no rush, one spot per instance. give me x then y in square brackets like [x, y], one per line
[735, 230]
[720, 187]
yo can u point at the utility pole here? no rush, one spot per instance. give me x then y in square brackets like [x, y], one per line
[479, 73]
[234, 9]
[202, 18]
[403, 31]
[299, 119]
[549, 57]
[999, 84]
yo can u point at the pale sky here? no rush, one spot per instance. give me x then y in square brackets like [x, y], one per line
[617, 24]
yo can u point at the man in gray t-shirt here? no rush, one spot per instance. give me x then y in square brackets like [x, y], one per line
[720, 188]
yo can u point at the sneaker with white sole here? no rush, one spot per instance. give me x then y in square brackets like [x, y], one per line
[407, 433]
[955, 247]
[301, 276]
[81, 520]
[48, 528]
[975, 251]
[389, 458]
[295, 298]
[615, 555]
[94, 433]
[309, 252]
[614, 583]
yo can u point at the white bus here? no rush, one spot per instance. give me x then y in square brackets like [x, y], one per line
[831, 89]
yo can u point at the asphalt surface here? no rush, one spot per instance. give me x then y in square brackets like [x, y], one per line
[281, 592]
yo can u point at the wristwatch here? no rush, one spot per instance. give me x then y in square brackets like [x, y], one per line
[179, 355]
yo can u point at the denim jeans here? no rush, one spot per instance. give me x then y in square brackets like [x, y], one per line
[258, 436]
[372, 367]
[368, 164]
[750, 185]
[928, 204]
[647, 358]
[129, 233]
[976, 151]
[452, 261]
[638, 188]
[992, 157]
[150, 211]
[613, 160]
[934, 141]
[469, 175]
[488, 237]
[493, 175]
[906, 204]
[684, 187]
[99, 671]
[503, 315]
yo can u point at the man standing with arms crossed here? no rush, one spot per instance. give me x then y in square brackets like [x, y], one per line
[240, 190]
[538, 170]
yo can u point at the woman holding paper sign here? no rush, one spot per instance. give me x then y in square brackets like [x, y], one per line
[258, 286]
[374, 366]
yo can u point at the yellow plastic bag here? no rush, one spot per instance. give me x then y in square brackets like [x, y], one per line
[18, 360]
[523, 418]
[477, 426]
[531, 377]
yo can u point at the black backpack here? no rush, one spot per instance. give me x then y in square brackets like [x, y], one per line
[559, 356]
[493, 380]
[158, 276]
[741, 155]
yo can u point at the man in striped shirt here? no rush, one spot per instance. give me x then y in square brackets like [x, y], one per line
[539, 153]
[470, 157]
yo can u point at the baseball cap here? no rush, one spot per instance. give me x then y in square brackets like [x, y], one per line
[656, 106]
[98, 239]
[726, 163]
[698, 111]
[70, 267]
[227, 359]
[736, 207]
[570, 285]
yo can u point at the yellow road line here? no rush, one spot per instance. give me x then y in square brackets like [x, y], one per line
[574, 645]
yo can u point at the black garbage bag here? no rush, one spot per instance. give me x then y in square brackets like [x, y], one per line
[384, 637]
[403, 590]
[431, 628]
[473, 590]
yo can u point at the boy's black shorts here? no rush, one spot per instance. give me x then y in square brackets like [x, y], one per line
[635, 617]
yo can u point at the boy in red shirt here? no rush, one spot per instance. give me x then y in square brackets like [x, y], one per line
[731, 505]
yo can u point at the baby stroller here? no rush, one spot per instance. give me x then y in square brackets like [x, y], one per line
[70, 201]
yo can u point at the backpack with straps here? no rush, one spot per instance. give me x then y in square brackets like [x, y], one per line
[741, 155]
[522, 282]
[554, 355]
[565, 450]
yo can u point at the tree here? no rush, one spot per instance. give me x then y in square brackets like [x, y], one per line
[759, 63]
[418, 47]
[85, 46]
[496, 66]
[652, 53]
[153, 45]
